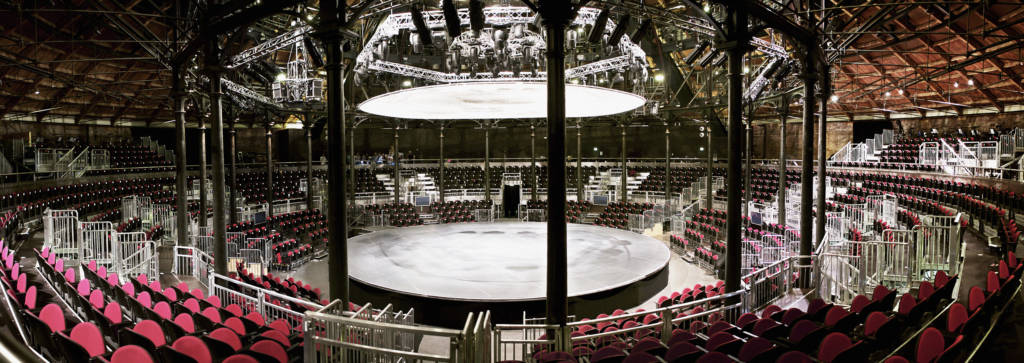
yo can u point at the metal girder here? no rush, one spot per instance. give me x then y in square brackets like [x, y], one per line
[1012, 77]
[248, 93]
[260, 50]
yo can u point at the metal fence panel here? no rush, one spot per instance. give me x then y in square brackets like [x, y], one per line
[98, 243]
[61, 234]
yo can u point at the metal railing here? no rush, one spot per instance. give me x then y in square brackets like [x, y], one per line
[270, 304]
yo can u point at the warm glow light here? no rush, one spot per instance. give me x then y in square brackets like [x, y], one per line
[497, 100]
[970, 82]
[659, 77]
[835, 98]
[407, 83]
[887, 94]
[900, 91]
[956, 84]
[281, 76]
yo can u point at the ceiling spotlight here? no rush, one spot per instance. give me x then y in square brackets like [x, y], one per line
[407, 83]
[887, 94]
[281, 77]
[599, 25]
[36, 92]
[293, 22]
[900, 91]
[309, 17]
[659, 77]
[746, 69]
[451, 18]
[707, 7]
[970, 81]
[835, 98]
[956, 84]
[595, 148]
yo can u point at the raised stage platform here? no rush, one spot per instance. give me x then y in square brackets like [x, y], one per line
[447, 270]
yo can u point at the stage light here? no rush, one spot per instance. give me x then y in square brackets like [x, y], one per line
[476, 15]
[293, 22]
[835, 98]
[620, 30]
[407, 83]
[309, 17]
[281, 77]
[887, 94]
[659, 77]
[900, 91]
[701, 47]
[707, 58]
[641, 31]
[421, 26]
[956, 84]
[702, 149]
[707, 7]
[595, 148]
[599, 25]
[36, 92]
[451, 18]
[970, 81]
[746, 69]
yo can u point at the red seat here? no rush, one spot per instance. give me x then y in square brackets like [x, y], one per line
[194, 348]
[832, 345]
[131, 354]
[271, 349]
[227, 336]
[89, 337]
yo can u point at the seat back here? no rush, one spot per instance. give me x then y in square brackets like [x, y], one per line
[194, 348]
[89, 337]
[131, 354]
[53, 316]
[929, 346]
[832, 345]
[271, 349]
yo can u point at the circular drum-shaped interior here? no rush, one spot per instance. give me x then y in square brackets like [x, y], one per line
[497, 100]
[499, 261]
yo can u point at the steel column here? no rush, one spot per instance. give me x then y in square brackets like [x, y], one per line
[622, 164]
[233, 191]
[555, 16]
[217, 136]
[748, 171]
[737, 28]
[332, 18]
[806, 171]
[270, 171]
[440, 167]
[668, 169]
[708, 193]
[783, 114]
[398, 167]
[487, 161]
[533, 163]
[203, 177]
[819, 228]
[309, 162]
[579, 162]
[180, 173]
[350, 165]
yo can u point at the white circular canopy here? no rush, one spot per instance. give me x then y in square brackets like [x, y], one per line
[497, 100]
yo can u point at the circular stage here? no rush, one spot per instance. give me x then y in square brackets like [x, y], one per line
[449, 268]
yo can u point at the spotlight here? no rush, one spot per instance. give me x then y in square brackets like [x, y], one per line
[659, 77]
[970, 81]
[642, 30]
[956, 84]
[407, 83]
[834, 98]
[701, 47]
[476, 15]
[887, 94]
[309, 17]
[293, 22]
[36, 92]
[746, 69]
[281, 77]
[900, 91]
[451, 18]
[599, 25]
[421, 26]
[707, 7]
[314, 54]
[620, 30]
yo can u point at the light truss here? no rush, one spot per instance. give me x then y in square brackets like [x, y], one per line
[248, 93]
[261, 50]
[441, 77]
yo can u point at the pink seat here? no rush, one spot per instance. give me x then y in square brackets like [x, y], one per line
[142, 279]
[53, 316]
[89, 337]
[182, 286]
[282, 326]
[96, 298]
[192, 305]
[83, 287]
[113, 312]
[151, 330]
[194, 348]
[46, 252]
[185, 322]
[212, 313]
[197, 293]
[271, 349]
[255, 317]
[234, 309]
[128, 288]
[102, 272]
[69, 275]
[171, 294]
[278, 337]
[240, 358]
[59, 265]
[144, 299]
[92, 265]
[112, 279]
[162, 309]
[155, 286]
[131, 354]
[235, 325]
[30, 298]
[213, 300]
[228, 337]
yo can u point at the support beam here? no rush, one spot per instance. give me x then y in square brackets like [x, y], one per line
[783, 115]
[180, 174]
[233, 192]
[351, 165]
[709, 177]
[823, 96]
[806, 172]
[579, 162]
[747, 170]
[217, 136]
[440, 166]
[204, 220]
[533, 162]
[308, 128]
[332, 18]
[668, 169]
[736, 20]
[622, 164]
[398, 168]
[487, 161]
[270, 170]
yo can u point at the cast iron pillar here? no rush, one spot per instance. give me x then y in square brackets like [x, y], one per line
[214, 69]
[270, 170]
[232, 192]
[181, 175]
[440, 167]
[579, 162]
[487, 161]
[819, 228]
[783, 115]
[747, 172]
[735, 47]
[622, 164]
[308, 128]
[203, 177]
[806, 171]
[708, 190]
[556, 16]
[332, 19]
[398, 168]
[668, 169]
[533, 163]
[351, 165]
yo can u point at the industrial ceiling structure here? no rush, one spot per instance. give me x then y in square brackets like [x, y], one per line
[107, 62]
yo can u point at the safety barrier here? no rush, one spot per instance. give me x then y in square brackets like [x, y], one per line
[940, 244]
[135, 206]
[190, 261]
[98, 243]
[333, 337]
[136, 255]
[61, 234]
[770, 283]
[883, 207]
[270, 304]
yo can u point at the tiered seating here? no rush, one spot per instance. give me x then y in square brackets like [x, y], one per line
[93, 196]
[288, 287]
[253, 185]
[366, 181]
[616, 214]
[574, 211]
[133, 155]
[680, 178]
[399, 215]
[134, 320]
[291, 253]
[458, 211]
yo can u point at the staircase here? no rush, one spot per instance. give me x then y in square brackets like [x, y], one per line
[611, 180]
